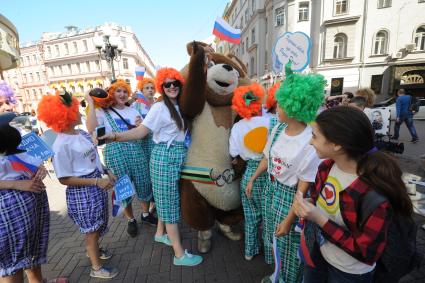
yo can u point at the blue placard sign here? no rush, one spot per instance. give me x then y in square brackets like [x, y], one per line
[292, 46]
[35, 146]
[123, 188]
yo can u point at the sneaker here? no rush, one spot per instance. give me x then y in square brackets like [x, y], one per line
[249, 257]
[103, 254]
[163, 239]
[187, 259]
[132, 228]
[414, 140]
[150, 219]
[104, 272]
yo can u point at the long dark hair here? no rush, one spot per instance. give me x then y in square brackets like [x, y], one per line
[180, 120]
[351, 129]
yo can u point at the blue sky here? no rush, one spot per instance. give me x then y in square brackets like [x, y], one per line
[163, 27]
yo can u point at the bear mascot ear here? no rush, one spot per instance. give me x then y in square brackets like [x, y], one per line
[193, 98]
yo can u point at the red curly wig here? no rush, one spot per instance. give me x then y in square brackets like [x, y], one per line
[271, 100]
[58, 116]
[247, 100]
[167, 73]
[118, 84]
[144, 81]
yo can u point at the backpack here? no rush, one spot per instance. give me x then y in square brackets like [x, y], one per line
[414, 104]
[400, 255]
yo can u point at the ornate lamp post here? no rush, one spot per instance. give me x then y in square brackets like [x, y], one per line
[109, 47]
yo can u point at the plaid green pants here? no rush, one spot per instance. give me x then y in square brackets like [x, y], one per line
[283, 196]
[268, 231]
[165, 167]
[252, 208]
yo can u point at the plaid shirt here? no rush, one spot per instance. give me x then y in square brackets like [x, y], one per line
[366, 243]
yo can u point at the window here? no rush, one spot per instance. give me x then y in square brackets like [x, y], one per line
[49, 52]
[279, 15]
[78, 68]
[40, 91]
[267, 23]
[376, 83]
[243, 47]
[60, 70]
[75, 47]
[303, 11]
[340, 46]
[66, 49]
[87, 66]
[38, 76]
[51, 71]
[420, 38]
[341, 7]
[247, 43]
[35, 59]
[31, 78]
[246, 16]
[24, 76]
[85, 45]
[241, 22]
[253, 6]
[69, 69]
[252, 66]
[124, 41]
[97, 65]
[253, 36]
[381, 40]
[384, 3]
[57, 50]
[125, 63]
[28, 61]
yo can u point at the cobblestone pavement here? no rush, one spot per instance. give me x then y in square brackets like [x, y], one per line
[141, 260]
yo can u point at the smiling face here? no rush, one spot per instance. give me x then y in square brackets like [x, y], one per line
[121, 96]
[324, 148]
[222, 79]
[171, 88]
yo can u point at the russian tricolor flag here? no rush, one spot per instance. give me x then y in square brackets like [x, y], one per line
[140, 72]
[226, 32]
[20, 165]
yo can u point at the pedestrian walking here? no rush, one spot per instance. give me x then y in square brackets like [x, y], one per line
[168, 155]
[291, 163]
[77, 165]
[341, 246]
[404, 115]
[127, 158]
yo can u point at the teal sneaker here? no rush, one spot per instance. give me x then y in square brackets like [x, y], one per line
[163, 239]
[187, 259]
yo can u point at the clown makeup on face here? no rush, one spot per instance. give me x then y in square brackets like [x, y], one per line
[171, 88]
[149, 90]
[121, 97]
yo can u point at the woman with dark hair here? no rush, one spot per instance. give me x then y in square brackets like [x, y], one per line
[168, 155]
[343, 250]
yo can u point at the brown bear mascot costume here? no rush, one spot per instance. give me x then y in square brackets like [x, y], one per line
[209, 184]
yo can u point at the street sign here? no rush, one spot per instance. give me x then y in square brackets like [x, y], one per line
[291, 46]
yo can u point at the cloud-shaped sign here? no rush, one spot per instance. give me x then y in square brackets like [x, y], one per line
[292, 46]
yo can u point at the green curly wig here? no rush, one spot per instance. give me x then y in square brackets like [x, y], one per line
[300, 96]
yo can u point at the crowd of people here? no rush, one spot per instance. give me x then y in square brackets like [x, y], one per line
[303, 186]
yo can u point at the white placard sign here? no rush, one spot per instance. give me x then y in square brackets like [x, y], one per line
[292, 46]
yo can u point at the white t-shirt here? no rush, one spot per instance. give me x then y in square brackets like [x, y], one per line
[163, 127]
[292, 157]
[8, 173]
[237, 135]
[128, 113]
[328, 202]
[75, 156]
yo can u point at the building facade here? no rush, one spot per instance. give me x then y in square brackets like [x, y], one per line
[355, 43]
[69, 60]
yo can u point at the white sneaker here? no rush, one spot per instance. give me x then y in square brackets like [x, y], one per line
[104, 272]
[249, 257]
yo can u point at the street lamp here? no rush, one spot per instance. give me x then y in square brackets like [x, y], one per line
[109, 47]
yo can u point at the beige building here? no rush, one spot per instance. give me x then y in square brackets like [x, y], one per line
[69, 60]
[355, 43]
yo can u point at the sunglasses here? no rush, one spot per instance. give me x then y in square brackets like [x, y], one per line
[173, 83]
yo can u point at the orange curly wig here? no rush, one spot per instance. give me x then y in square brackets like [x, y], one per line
[58, 116]
[167, 73]
[271, 100]
[247, 100]
[144, 81]
[118, 84]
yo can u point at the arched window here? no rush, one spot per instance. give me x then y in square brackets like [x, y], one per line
[381, 43]
[420, 38]
[340, 46]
